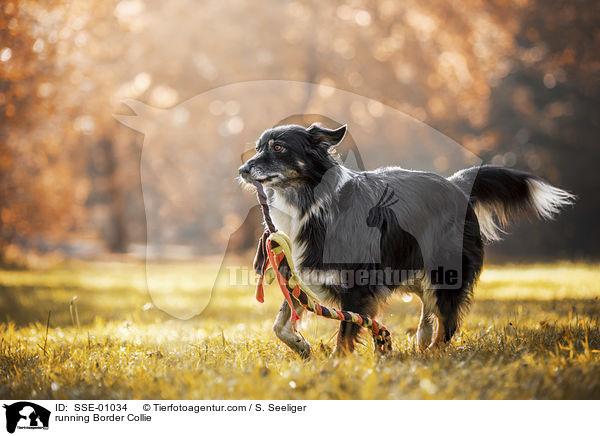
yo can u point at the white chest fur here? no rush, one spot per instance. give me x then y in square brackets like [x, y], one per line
[286, 218]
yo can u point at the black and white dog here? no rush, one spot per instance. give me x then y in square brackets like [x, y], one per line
[359, 236]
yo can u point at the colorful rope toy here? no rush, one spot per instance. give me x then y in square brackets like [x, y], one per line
[274, 249]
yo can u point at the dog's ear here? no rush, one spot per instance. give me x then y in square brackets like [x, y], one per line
[328, 137]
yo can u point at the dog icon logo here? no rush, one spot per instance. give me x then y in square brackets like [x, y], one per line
[26, 415]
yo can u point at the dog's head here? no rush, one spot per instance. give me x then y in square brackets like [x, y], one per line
[292, 155]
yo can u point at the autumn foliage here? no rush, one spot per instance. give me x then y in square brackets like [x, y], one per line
[514, 81]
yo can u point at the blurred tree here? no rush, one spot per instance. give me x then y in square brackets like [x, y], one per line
[515, 81]
[37, 159]
[108, 189]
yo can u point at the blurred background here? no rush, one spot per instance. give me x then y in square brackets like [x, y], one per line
[515, 82]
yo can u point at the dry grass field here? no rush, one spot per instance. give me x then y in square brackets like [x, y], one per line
[533, 333]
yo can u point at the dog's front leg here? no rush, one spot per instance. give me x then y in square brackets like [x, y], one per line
[285, 330]
[361, 301]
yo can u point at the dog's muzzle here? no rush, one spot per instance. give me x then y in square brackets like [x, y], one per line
[244, 172]
[249, 175]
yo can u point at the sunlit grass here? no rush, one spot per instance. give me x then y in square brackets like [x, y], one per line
[532, 333]
[541, 281]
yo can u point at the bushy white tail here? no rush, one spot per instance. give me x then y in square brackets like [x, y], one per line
[500, 195]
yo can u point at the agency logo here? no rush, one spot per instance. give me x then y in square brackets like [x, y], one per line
[26, 415]
[192, 151]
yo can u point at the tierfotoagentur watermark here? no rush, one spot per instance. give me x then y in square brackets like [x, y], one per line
[203, 211]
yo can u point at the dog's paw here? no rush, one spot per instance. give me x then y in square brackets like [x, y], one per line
[341, 352]
[303, 349]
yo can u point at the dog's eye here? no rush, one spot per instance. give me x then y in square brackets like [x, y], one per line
[277, 147]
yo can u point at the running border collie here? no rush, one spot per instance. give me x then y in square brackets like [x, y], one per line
[413, 222]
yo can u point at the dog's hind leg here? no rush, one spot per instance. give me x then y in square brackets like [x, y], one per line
[429, 320]
[285, 330]
[450, 304]
[425, 329]
[453, 302]
[439, 335]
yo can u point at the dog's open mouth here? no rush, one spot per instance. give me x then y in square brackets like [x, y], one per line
[264, 179]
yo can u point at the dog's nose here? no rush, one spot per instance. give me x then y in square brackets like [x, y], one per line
[244, 170]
